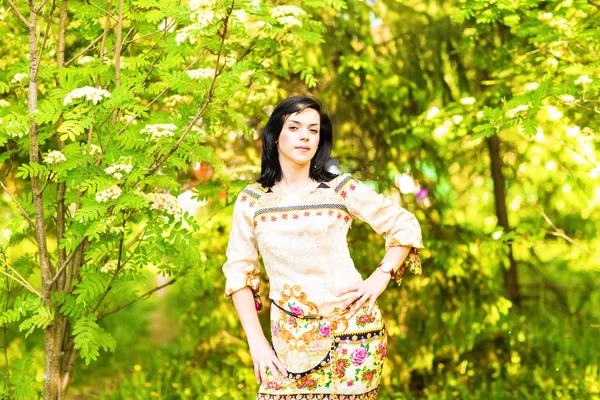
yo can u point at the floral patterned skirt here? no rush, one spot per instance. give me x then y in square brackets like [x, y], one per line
[326, 357]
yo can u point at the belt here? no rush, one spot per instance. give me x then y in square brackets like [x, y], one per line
[335, 315]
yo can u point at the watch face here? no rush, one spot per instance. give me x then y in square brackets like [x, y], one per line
[386, 267]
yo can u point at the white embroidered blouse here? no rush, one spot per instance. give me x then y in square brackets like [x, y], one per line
[302, 240]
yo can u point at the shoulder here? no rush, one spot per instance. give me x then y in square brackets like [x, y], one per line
[255, 190]
[342, 182]
[249, 196]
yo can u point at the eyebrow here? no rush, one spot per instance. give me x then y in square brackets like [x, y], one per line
[298, 122]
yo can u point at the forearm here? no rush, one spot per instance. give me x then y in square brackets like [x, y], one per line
[396, 255]
[243, 300]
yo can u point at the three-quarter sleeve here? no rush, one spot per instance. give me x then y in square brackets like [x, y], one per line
[399, 226]
[242, 267]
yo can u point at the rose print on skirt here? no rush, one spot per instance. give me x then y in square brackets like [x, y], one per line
[344, 363]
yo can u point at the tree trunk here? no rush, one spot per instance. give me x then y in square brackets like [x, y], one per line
[511, 283]
[50, 350]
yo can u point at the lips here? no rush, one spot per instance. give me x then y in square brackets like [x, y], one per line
[303, 148]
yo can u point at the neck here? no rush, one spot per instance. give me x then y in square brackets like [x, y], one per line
[293, 175]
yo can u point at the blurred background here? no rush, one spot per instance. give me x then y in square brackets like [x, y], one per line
[481, 118]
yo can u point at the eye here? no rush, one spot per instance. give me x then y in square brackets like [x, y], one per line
[314, 130]
[293, 128]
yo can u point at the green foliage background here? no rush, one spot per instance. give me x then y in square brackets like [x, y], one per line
[423, 88]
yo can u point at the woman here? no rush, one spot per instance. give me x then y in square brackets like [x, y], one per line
[327, 332]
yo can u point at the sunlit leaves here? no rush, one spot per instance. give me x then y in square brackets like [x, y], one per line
[90, 338]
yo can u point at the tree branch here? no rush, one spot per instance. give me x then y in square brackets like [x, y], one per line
[48, 24]
[16, 10]
[4, 329]
[101, 9]
[207, 99]
[118, 46]
[21, 281]
[119, 266]
[560, 233]
[142, 297]
[27, 217]
[92, 44]
[64, 265]
[158, 96]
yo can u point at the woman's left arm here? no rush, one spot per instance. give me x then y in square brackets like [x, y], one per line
[402, 232]
[375, 284]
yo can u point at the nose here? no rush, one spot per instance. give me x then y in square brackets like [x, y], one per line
[304, 134]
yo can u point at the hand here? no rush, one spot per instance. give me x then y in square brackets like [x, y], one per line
[265, 358]
[369, 289]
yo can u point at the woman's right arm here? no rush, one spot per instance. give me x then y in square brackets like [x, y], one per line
[262, 354]
[242, 271]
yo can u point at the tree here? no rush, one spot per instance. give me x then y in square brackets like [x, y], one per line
[105, 109]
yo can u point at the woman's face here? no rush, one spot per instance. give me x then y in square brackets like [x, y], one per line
[299, 137]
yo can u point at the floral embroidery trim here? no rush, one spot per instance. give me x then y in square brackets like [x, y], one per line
[341, 184]
[302, 210]
[252, 193]
[370, 395]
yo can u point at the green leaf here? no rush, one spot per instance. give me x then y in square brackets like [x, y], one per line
[71, 129]
[32, 169]
[529, 127]
[91, 286]
[41, 319]
[90, 338]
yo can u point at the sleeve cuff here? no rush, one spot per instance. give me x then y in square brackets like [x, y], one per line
[412, 262]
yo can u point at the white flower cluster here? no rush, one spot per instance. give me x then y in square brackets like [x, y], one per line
[443, 129]
[583, 80]
[204, 17]
[112, 193]
[562, 25]
[90, 93]
[93, 151]
[5, 235]
[158, 131]
[86, 60]
[164, 202]
[128, 119]
[433, 111]
[167, 24]
[4, 103]
[110, 266]
[467, 101]
[554, 113]
[567, 97]
[185, 34]
[457, 119]
[531, 86]
[20, 77]
[176, 99]
[282, 11]
[289, 22]
[55, 157]
[201, 73]
[286, 15]
[16, 130]
[514, 111]
[545, 16]
[117, 170]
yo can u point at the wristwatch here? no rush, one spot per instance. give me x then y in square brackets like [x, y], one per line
[387, 267]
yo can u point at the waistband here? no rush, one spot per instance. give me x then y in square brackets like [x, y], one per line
[335, 315]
